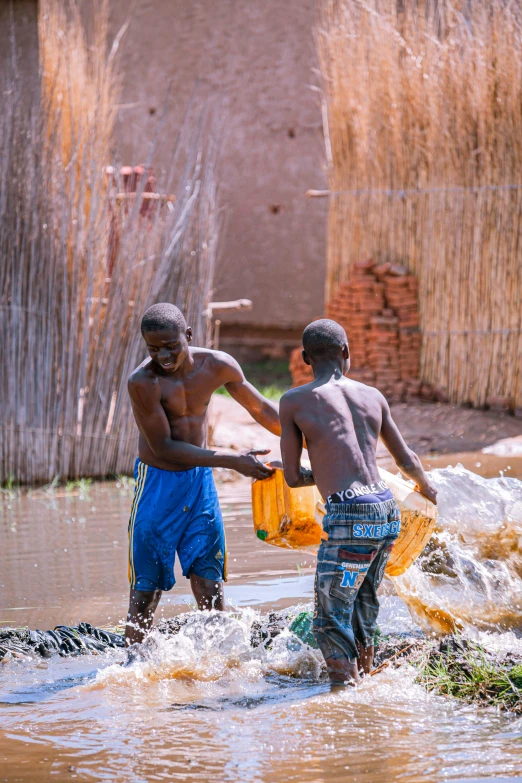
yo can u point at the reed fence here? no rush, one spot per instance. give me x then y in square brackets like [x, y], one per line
[78, 266]
[424, 146]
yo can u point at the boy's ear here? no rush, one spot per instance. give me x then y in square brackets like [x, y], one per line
[189, 333]
[346, 352]
[306, 360]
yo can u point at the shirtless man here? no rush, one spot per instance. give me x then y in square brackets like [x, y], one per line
[175, 506]
[342, 421]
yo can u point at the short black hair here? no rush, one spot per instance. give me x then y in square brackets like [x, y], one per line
[323, 338]
[163, 316]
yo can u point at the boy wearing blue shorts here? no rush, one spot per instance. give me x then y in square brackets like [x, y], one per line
[175, 506]
[342, 421]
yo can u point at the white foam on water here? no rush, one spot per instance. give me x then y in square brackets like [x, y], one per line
[473, 506]
[214, 647]
[393, 685]
[501, 644]
[471, 576]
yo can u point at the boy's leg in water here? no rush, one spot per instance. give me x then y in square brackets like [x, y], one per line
[332, 619]
[206, 536]
[208, 593]
[342, 671]
[365, 657]
[366, 608]
[142, 605]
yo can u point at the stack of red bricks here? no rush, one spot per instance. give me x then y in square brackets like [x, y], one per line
[301, 373]
[379, 311]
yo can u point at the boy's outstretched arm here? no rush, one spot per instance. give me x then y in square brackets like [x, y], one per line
[262, 410]
[292, 446]
[406, 459]
[154, 426]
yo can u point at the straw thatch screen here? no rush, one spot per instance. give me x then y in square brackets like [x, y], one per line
[424, 144]
[78, 267]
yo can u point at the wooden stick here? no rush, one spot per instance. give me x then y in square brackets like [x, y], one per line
[385, 663]
[317, 193]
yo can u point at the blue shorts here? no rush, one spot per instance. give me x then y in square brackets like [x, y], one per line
[350, 568]
[174, 511]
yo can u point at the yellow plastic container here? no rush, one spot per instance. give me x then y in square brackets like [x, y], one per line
[285, 517]
[418, 518]
[292, 518]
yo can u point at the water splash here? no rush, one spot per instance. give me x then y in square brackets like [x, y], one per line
[470, 575]
[212, 652]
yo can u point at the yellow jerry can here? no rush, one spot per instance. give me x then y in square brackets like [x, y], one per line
[418, 519]
[292, 518]
[285, 517]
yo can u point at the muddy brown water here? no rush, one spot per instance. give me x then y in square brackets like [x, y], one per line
[203, 705]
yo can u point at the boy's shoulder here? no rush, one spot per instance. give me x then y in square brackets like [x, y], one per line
[363, 388]
[143, 379]
[296, 394]
[312, 389]
[142, 373]
[213, 357]
[361, 394]
[221, 366]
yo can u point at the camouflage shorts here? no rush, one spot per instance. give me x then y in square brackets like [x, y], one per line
[350, 568]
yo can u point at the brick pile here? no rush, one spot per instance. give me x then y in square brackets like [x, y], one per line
[378, 309]
[301, 373]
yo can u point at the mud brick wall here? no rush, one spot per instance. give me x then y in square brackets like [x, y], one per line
[378, 309]
[301, 373]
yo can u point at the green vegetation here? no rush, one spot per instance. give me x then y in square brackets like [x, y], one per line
[271, 377]
[457, 667]
[81, 484]
[465, 670]
[8, 489]
[125, 483]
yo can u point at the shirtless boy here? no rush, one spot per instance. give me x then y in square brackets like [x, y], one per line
[175, 507]
[342, 421]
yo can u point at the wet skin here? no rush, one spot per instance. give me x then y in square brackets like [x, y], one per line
[170, 394]
[342, 421]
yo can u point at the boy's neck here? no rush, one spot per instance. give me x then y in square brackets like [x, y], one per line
[327, 369]
[187, 365]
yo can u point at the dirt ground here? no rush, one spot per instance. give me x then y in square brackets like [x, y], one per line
[429, 429]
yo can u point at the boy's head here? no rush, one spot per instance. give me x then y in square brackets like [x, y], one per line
[166, 334]
[326, 340]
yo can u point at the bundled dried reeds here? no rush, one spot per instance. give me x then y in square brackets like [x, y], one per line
[424, 141]
[78, 268]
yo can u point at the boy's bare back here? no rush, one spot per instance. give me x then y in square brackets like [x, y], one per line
[341, 421]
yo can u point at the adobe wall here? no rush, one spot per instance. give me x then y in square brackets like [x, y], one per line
[260, 57]
[19, 25]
